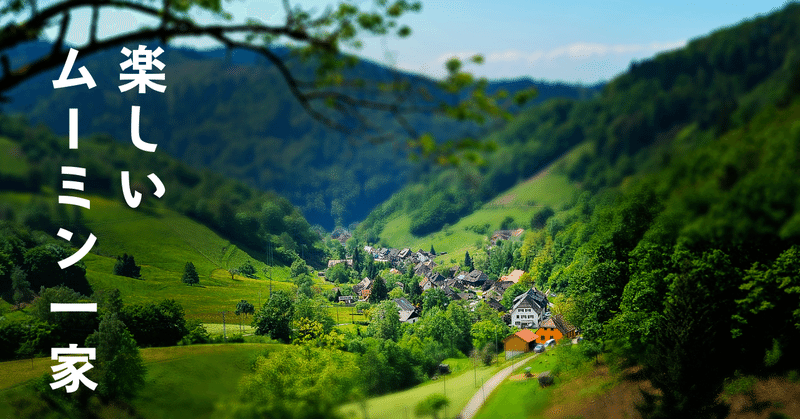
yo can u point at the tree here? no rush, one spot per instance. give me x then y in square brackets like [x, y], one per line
[275, 318]
[119, 369]
[396, 292]
[433, 252]
[67, 327]
[431, 405]
[20, 286]
[298, 268]
[243, 307]
[414, 291]
[384, 321]
[126, 266]
[338, 274]
[468, 262]
[161, 324]
[190, 274]
[379, 291]
[434, 297]
[298, 383]
[248, 270]
[41, 264]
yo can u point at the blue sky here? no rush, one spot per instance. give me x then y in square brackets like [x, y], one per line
[573, 41]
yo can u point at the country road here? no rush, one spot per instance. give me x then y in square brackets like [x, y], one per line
[486, 389]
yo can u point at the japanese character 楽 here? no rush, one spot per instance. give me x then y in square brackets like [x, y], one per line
[143, 61]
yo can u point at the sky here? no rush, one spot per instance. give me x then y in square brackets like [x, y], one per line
[571, 41]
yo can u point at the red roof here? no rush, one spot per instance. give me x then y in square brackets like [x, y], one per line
[526, 334]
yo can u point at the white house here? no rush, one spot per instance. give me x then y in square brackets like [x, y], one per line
[528, 309]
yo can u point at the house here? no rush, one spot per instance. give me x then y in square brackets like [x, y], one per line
[519, 343]
[475, 278]
[365, 284]
[451, 294]
[491, 302]
[513, 276]
[408, 313]
[404, 253]
[426, 284]
[437, 279]
[505, 235]
[528, 309]
[456, 284]
[347, 299]
[365, 294]
[547, 330]
[562, 325]
[333, 262]
[466, 296]
[423, 269]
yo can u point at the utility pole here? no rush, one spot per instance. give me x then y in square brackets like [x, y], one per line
[224, 336]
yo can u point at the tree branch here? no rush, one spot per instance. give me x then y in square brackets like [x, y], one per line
[62, 31]
[93, 27]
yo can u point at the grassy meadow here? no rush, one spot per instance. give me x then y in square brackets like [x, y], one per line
[161, 242]
[181, 382]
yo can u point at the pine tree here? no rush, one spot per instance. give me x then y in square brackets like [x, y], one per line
[379, 291]
[433, 252]
[467, 262]
[190, 274]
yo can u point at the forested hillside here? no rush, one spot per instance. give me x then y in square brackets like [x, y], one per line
[233, 114]
[715, 83]
[682, 253]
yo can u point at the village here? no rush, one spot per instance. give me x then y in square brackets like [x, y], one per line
[534, 327]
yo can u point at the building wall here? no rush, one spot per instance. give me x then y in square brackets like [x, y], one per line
[515, 343]
[547, 333]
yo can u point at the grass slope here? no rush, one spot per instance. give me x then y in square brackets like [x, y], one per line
[548, 187]
[175, 386]
[162, 241]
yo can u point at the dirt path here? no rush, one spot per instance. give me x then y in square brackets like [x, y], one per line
[486, 389]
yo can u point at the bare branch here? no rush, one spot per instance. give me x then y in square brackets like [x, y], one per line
[62, 31]
[93, 27]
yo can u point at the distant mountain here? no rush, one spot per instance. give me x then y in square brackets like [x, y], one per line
[232, 113]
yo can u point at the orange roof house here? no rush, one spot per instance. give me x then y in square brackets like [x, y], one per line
[513, 276]
[519, 343]
[555, 328]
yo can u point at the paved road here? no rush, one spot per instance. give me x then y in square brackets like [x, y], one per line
[486, 389]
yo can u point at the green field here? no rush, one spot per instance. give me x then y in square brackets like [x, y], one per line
[524, 398]
[182, 381]
[161, 242]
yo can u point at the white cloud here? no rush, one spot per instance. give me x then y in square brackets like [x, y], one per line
[575, 51]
